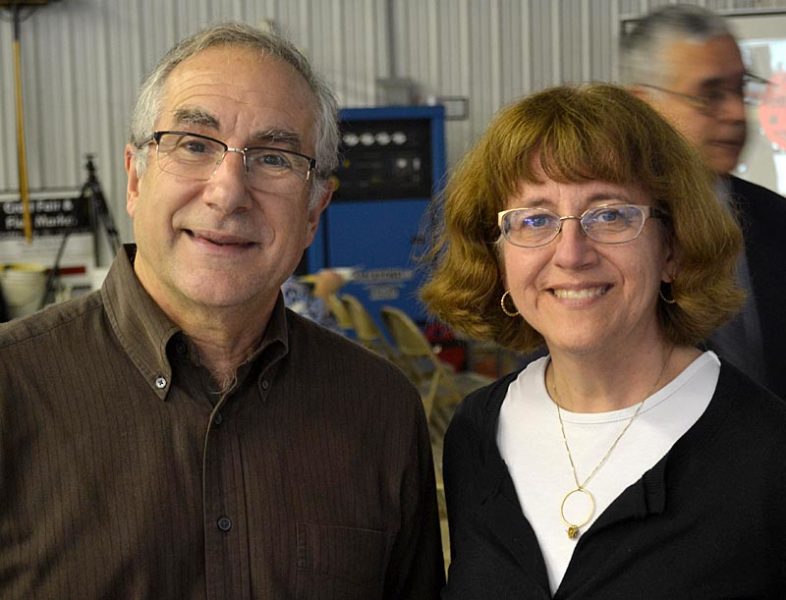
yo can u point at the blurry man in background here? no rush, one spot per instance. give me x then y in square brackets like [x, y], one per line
[684, 61]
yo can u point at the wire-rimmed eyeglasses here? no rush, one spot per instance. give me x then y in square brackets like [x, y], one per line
[607, 224]
[195, 156]
[751, 91]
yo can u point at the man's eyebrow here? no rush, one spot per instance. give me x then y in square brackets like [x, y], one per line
[717, 82]
[278, 137]
[195, 116]
[274, 136]
[711, 83]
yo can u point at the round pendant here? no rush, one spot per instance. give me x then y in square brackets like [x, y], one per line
[576, 510]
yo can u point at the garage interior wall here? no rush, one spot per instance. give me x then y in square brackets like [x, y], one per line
[83, 60]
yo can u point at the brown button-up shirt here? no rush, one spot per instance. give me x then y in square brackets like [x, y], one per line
[124, 475]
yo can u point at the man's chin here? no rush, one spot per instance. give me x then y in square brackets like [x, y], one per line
[218, 293]
[723, 159]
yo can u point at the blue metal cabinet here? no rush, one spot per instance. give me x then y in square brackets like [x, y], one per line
[393, 163]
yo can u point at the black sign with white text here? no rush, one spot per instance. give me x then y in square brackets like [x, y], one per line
[50, 216]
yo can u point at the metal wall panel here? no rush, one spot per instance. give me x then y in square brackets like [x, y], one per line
[83, 60]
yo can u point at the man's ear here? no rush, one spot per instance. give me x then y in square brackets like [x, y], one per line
[132, 186]
[316, 212]
[638, 91]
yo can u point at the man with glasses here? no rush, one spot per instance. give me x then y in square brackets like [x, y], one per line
[180, 433]
[684, 61]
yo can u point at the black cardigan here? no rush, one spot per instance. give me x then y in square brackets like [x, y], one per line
[707, 521]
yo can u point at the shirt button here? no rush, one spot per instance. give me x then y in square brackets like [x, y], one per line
[265, 384]
[224, 524]
[160, 382]
[180, 348]
[218, 418]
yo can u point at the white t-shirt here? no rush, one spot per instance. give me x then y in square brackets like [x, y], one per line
[531, 445]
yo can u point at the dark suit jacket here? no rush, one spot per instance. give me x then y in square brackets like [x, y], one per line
[3, 308]
[762, 215]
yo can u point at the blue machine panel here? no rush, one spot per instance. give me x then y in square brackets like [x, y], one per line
[393, 162]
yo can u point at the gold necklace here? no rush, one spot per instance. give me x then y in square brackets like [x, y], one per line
[573, 529]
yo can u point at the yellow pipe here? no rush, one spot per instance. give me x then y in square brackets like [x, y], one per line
[24, 191]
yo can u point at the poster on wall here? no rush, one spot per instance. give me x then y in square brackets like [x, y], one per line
[55, 214]
[762, 39]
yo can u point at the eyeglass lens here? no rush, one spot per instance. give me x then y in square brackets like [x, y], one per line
[755, 90]
[751, 92]
[196, 157]
[532, 227]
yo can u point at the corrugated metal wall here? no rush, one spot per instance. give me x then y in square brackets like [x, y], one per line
[83, 59]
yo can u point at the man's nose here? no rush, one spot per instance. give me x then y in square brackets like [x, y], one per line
[223, 158]
[227, 189]
[732, 108]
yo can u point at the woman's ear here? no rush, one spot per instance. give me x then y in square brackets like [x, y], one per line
[671, 262]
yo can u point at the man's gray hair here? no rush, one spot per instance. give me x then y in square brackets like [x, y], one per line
[150, 98]
[642, 48]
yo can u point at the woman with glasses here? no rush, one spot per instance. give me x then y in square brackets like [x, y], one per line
[627, 462]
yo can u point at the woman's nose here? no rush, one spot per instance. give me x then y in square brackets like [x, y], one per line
[573, 248]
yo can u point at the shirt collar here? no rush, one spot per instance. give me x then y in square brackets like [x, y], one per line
[145, 331]
[139, 324]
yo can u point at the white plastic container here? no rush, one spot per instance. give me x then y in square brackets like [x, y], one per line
[23, 286]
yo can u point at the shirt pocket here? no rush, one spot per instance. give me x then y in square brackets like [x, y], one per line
[340, 562]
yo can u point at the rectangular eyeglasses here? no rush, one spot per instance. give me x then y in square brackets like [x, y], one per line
[607, 224]
[197, 157]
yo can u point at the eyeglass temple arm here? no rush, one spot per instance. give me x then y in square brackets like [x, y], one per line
[757, 78]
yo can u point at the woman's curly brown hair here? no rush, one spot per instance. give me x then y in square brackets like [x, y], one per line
[576, 134]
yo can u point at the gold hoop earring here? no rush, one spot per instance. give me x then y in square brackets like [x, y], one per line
[663, 296]
[514, 313]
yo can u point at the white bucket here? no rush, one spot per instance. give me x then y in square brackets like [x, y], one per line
[23, 286]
